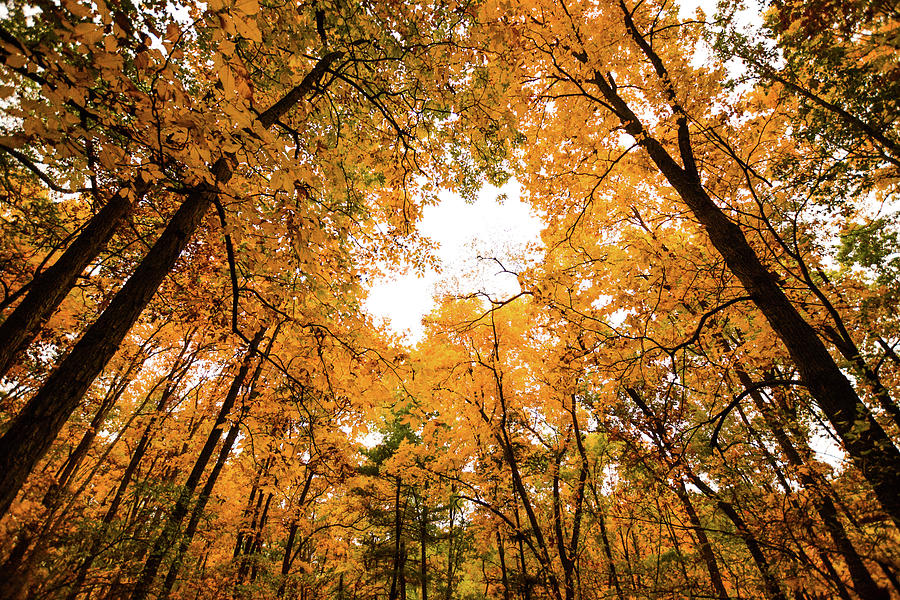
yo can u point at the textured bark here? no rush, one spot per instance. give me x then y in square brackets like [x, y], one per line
[15, 572]
[868, 445]
[33, 431]
[35, 428]
[49, 287]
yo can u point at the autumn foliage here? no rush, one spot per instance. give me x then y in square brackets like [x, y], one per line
[693, 395]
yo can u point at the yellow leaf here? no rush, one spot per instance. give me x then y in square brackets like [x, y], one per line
[247, 7]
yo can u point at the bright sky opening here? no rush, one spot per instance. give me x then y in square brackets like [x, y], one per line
[471, 238]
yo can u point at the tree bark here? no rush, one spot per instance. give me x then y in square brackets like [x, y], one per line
[35, 428]
[865, 441]
[33, 431]
[703, 544]
[173, 524]
[863, 583]
[396, 574]
[51, 286]
[188, 536]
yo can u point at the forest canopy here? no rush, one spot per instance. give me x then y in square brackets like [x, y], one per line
[692, 394]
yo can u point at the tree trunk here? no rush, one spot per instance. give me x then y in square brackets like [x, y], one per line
[863, 583]
[15, 572]
[703, 544]
[170, 530]
[292, 534]
[35, 428]
[423, 539]
[49, 287]
[865, 441]
[395, 571]
[286, 561]
[504, 578]
[197, 512]
[33, 431]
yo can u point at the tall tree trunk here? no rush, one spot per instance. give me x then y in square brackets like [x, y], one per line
[525, 579]
[396, 574]
[565, 560]
[172, 379]
[863, 583]
[286, 561]
[501, 436]
[703, 544]
[199, 506]
[770, 583]
[251, 511]
[866, 442]
[33, 430]
[256, 547]
[15, 571]
[49, 287]
[504, 578]
[423, 558]
[173, 524]
[292, 534]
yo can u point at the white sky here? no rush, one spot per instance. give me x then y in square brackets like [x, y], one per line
[497, 225]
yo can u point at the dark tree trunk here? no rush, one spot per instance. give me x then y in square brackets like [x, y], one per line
[866, 442]
[33, 430]
[396, 574]
[173, 524]
[292, 534]
[15, 572]
[423, 558]
[49, 287]
[197, 512]
[286, 561]
[863, 583]
[504, 578]
[703, 544]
